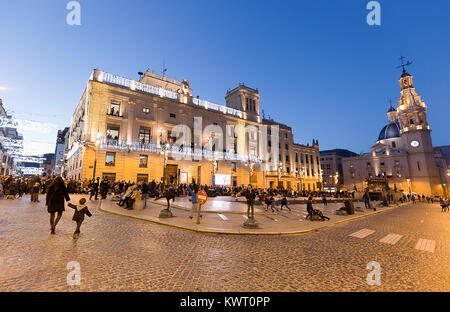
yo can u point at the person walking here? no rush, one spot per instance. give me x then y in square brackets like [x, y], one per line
[94, 188]
[56, 194]
[104, 185]
[444, 204]
[144, 190]
[78, 216]
[324, 199]
[413, 198]
[366, 200]
[35, 193]
[284, 202]
[309, 208]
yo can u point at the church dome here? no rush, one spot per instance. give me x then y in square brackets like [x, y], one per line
[390, 131]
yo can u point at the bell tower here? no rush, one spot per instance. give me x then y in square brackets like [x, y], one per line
[412, 116]
[245, 99]
[416, 137]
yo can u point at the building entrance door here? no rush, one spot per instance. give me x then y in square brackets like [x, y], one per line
[171, 176]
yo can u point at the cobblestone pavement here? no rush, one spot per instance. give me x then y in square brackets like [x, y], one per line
[123, 254]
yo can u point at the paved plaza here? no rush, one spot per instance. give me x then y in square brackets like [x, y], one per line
[116, 253]
[226, 215]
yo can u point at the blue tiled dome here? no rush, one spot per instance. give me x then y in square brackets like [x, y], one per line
[390, 131]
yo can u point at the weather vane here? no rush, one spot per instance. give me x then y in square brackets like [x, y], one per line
[402, 58]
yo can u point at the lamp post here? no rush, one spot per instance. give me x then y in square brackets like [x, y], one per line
[213, 171]
[409, 185]
[251, 169]
[97, 143]
[279, 171]
[164, 213]
[164, 146]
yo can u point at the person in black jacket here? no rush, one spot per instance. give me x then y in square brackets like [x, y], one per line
[94, 188]
[250, 195]
[56, 194]
[144, 190]
[284, 202]
[78, 216]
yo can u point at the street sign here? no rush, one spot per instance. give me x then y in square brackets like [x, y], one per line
[202, 197]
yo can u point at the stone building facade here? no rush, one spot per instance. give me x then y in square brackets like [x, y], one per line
[404, 153]
[154, 129]
[331, 165]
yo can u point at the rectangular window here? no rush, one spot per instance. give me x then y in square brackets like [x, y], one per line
[382, 163]
[418, 166]
[142, 178]
[112, 132]
[287, 158]
[368, 164]
[307, 159]
[173, 116]
[144, 135]
[114, 109]
[296, 157]
[233, 167]
[146, 110]
[301, 158]
[286, 146]
[143, 161]
[110, 176]
[110, 159]
[312, 159]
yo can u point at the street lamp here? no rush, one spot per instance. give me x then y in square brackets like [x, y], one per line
[97, 143]
[279, 171]
[165, 146]
[251, 166]
[213, 171]
[409, 185]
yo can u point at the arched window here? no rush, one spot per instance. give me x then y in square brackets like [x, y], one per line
[411, 120]
[421, 118]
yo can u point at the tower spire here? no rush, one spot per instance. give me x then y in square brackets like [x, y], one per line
[403, 64]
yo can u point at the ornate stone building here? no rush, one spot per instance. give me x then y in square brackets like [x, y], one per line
[154, 129]
[403, 153]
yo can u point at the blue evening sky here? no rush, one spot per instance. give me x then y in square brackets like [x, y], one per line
[318, 65]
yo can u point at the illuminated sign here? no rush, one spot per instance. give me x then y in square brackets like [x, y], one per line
[222, 179]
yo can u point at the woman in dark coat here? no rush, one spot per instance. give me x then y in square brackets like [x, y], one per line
[56, 194]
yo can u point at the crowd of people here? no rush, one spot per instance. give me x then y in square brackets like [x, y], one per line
[131, 195]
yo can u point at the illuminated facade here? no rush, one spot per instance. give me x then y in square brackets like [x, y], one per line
[154, 128]
[11, 143]
[403, 153]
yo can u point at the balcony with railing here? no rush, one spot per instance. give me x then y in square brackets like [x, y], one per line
[164, 93]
